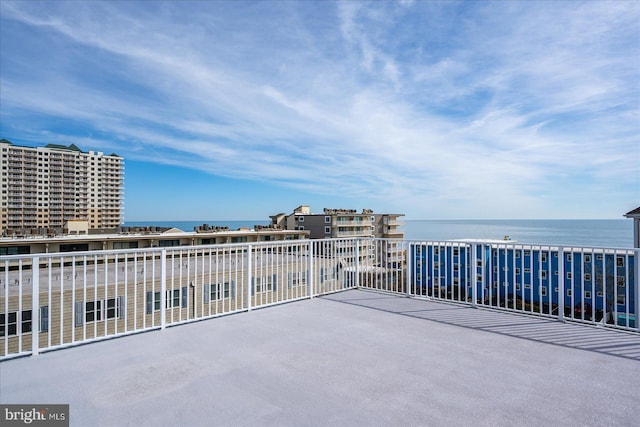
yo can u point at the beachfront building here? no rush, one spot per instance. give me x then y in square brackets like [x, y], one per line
[43, 188]
[349, 223]
[635, 215]
[340, 223]
[584, 283]
[143, 237]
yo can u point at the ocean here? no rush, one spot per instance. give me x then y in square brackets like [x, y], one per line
[612, 233]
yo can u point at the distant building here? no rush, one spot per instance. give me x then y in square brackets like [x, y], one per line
[340, 223]
[635, 215]
[349, 223]
[142, 237]
[45, 189]
[590, 283]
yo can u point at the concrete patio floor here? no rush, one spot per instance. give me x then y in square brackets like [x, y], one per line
[355, 358]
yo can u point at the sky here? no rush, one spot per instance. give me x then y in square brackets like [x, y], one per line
[432, 109]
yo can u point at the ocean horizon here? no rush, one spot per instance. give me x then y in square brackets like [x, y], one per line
[613, 233]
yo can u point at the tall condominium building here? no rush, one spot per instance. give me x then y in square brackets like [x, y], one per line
[46, 188]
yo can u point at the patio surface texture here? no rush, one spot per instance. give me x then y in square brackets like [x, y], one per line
[355, 358]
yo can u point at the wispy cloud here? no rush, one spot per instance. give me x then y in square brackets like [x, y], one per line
[434, 109]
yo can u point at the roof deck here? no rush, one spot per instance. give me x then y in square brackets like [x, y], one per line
[350, 358]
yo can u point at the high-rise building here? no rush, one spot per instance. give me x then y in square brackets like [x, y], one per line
[47, 189]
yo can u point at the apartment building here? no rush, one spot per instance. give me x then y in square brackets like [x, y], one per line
[43, 188]
[349, 223]
[151, 237]
[340, 223]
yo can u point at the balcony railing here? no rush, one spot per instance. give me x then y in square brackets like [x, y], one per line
[50, 301]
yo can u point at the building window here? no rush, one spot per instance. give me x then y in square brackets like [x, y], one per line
[301, 227]
[9, 323]
[569, 292]
[620, 261]
[177, 298]
[517, 271]
[327, 219]
[620, 280]
[327, 230]
[173, 298]
[517, 286]
[102, 309]
[220, 290]
[569, 275]
[569, 257]
[93, 311]
[543, 274]
[543, 291]
[300, 219]
[587, 277]
[264, 284]
[296, 279]
[587, 294]
[543, 256]
[517, 254]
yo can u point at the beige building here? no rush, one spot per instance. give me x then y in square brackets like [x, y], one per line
[140, 239]
[340, 223]
[44, 188]
[349, 223]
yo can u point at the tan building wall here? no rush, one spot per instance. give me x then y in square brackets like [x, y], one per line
[83, 302]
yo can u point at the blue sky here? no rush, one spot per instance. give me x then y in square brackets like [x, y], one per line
[240, 110]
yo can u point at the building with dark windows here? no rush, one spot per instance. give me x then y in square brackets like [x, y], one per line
[47, 189]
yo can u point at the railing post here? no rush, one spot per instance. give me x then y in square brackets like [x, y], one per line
[409, 263]
[163, 288]
[636, 286]
[357, 284]
[473, 263]
[561, 283]
[249, 276]
[310, 276]
[35, 306]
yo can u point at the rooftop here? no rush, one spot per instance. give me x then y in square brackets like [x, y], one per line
[350, 358]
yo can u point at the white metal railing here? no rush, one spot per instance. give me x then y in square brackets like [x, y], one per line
[593, 285]
[50, 301]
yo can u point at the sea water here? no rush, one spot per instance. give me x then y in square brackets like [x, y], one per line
[612, 233]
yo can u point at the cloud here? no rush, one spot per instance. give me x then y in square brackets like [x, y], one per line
[435, 107]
